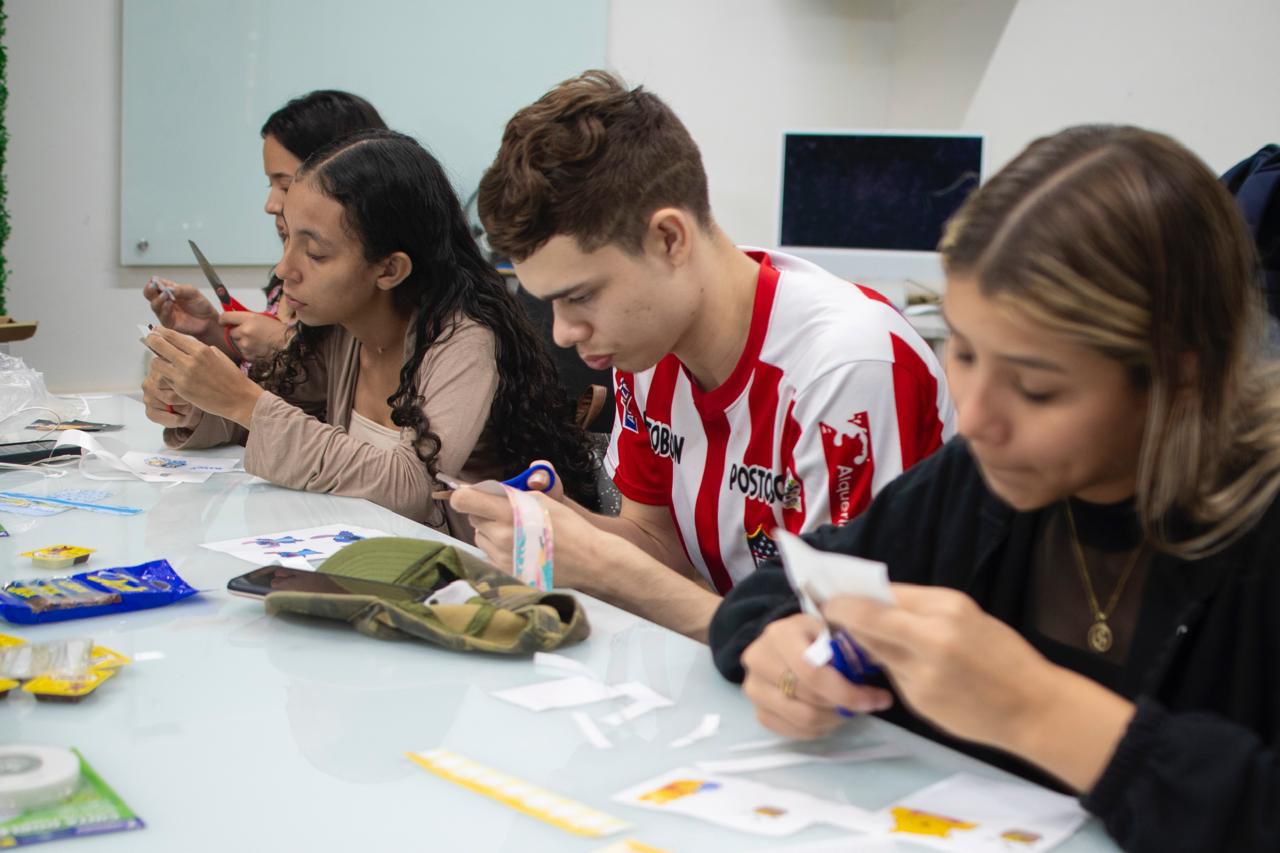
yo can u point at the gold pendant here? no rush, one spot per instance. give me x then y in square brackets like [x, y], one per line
[1100, 637]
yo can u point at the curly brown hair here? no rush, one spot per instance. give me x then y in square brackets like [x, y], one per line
[590, 159]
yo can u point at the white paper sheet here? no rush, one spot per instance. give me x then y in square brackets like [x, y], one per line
[110, 459]
[743, 805]
[971, 813]
[788, 759]
[644, 699]
[311, 543]
[558, 693]
[561, 663]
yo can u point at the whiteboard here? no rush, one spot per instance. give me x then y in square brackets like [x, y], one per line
[199, 78]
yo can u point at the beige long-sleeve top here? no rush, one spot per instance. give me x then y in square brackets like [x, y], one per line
[303, 443]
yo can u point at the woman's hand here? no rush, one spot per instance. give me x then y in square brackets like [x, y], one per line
[203, 376]
[963, 670]
[975, 677]
[255, 335]
[165, 407]
[183, 308]
[791, 696]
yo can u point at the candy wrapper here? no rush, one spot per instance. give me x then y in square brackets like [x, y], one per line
[93, 593]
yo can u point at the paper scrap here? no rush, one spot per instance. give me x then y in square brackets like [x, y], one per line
[788, 759]
[822, 575]
[558, 693]
[709, 726]
[563, 663]
[539, 803]
[591, 731]
[644, 699]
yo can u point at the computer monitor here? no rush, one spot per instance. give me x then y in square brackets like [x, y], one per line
[870, 205]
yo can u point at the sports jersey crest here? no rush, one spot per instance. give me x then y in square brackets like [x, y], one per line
[629, 421]
[762, 547]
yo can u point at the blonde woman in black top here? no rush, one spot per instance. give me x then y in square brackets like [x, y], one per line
[1087, 583]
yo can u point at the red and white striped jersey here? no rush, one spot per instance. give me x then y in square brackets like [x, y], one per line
[835, 394]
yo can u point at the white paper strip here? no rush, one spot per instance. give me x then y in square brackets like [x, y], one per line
[645, 698]
[788, 759]
[710, 725]
[562, 663]
[559, 693]
[767, 743]
[591, 731]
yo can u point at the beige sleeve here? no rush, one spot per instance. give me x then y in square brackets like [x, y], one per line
[209, 431]
[457, 381]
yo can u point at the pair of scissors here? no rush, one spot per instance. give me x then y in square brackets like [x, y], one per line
[847, 657]
[519, 481]
[229, 302]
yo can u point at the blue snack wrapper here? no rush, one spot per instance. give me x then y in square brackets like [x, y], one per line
[119, 590]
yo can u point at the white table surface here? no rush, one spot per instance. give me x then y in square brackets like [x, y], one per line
[238, 731]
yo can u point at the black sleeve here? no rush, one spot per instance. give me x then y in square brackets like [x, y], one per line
[753, 603]
[1189, 781]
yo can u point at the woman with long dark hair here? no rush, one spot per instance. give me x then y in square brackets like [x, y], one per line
[411, 357]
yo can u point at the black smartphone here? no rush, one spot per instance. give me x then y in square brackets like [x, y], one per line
[259, 582]
[26, 452]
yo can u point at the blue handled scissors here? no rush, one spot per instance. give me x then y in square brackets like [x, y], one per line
[521, 481]
[850, 660]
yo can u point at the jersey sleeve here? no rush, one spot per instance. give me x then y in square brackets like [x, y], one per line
[636, 470]
[852, 431]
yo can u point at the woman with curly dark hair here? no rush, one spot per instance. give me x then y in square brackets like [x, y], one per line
[411, 357]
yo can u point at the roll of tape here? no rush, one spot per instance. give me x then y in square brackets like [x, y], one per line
[35, 776]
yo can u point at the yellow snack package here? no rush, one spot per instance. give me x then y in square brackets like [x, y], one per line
[101, 657]
[58, 556]
[6, 684]
[67, 689]
[7, 640]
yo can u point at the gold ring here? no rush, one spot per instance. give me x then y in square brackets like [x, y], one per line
[787, 683]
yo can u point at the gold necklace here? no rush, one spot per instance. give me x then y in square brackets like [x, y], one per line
[1099, 635]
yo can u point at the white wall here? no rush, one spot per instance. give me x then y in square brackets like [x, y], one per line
[63, 177]
[737, 72]
[1205, 72]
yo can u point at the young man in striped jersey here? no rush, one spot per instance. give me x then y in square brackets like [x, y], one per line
[754, 390]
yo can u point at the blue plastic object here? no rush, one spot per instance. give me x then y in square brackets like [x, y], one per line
[850, 660]
[521, 480]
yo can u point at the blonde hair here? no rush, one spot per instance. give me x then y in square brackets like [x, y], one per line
[1120, 239]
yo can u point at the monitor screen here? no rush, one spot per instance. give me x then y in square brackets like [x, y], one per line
[874, 190]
